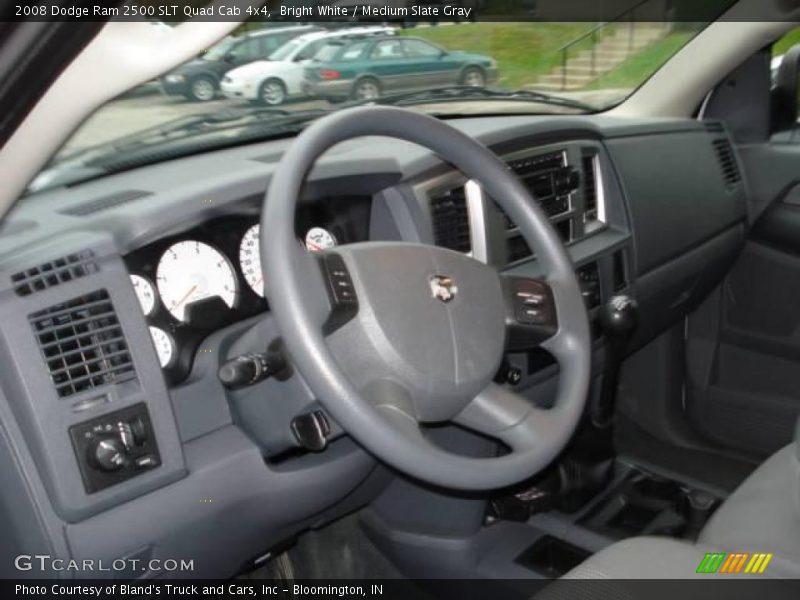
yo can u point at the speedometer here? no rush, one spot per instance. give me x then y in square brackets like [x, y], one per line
[191, 271]
[250, 260]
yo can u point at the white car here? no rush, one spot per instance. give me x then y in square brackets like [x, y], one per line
[775, 65]
[279, 78]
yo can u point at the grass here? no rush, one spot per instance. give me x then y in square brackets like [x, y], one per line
[782, 45]
[526, 51]
[523, 51]
[634, 71]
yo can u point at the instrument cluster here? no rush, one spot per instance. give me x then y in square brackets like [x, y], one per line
[191, 284]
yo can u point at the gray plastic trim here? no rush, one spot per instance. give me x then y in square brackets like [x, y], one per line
[45, 418]
[296, 283]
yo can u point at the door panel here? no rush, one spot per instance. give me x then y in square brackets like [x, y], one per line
[389, 63]
[743, 345]
[246, 51]
[430, 68]
[779, 226]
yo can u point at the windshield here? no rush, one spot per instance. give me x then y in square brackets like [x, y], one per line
[449, 70]
[286, 50]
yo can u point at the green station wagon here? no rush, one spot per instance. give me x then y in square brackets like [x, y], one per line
[364, 69]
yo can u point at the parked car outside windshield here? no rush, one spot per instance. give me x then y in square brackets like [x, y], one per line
[451, 69]
[366, 69]
[279, 78]
[199, 80]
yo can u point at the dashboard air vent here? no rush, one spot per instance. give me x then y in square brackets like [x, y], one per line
[588, 163]
[54, 272]
[714, 127]
[727, 162]
[103, 203]
[83, 344]
[451, 220]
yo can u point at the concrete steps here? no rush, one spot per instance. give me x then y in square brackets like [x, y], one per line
[612, 49]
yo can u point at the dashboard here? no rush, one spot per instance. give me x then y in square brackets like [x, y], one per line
[121, 297]
[208, 277]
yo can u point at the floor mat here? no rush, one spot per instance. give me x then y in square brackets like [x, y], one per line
[340, 551]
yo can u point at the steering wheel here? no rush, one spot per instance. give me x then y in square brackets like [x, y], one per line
[391, 336]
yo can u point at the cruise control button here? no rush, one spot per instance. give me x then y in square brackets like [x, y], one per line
[531, 316]
[531, 299]
[341, 291]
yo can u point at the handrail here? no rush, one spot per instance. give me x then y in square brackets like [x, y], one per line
[592, 33]
[601, 25]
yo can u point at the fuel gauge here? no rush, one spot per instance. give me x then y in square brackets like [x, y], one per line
[145, 293]
[165, 346]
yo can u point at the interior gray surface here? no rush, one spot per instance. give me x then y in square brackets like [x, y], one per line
[459, 354]
[214, 444]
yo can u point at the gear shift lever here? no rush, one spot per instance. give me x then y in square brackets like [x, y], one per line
[619, 318]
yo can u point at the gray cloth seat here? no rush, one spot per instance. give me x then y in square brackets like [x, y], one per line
[762, 515]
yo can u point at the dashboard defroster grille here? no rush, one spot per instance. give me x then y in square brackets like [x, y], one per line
[54, 272]
[83, 344]
[727, 162]
[104, 203]
[725, 155]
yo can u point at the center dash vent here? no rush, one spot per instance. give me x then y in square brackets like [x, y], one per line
[589, 180]
[83, 344]
[450, 218]
[54, 272]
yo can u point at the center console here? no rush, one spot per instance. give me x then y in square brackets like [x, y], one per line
[573, 184]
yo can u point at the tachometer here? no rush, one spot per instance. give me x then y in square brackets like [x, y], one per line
[145, 293]
[319, 239]
[165, 347]
[190, 271]
[250, 260]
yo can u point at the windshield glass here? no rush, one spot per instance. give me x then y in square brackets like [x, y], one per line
[286, 50]
[453, 69]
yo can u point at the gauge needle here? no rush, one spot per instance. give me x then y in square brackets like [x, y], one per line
[185, 298]
[313, 247]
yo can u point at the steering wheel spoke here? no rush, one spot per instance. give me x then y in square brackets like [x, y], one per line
[531, 317]
[401, 419]
[501, 414]
[385, 394]
[311, 284]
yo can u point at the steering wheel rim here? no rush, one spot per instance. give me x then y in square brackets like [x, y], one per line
[382, 417]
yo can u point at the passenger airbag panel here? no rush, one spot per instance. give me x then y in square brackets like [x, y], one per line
[676, 194]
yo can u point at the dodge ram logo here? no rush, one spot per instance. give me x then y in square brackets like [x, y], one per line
[443, 288]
